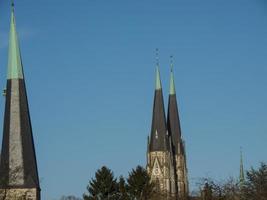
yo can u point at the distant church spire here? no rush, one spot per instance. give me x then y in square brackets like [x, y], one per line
[242, 175]
[166, 156]
[158, 136]
[12, 4]
[159, 157]
[14, 56]
[173, 121]
[178, 145]
[18, 167]
[158, 81]
[172, 85]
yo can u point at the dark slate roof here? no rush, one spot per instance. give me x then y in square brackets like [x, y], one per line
[158, 139]
[29, 167]
[173, 122]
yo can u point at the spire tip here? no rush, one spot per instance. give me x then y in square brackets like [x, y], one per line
[12, 6]
[157, 56]
[172, 85]
[171, 58]
[158, 81]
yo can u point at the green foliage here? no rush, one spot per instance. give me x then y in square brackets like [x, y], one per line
[255, 187]
[122, 190]
[139, 185]
[103, 186]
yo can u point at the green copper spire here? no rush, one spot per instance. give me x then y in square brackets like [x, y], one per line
[172, 85]
[14, 59]
[242, 176]
[158, 81]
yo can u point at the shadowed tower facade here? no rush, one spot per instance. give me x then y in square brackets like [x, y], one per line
[177, 143]
[159, 156]
[18, 168]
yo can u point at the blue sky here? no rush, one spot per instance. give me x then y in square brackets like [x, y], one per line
[90, 69]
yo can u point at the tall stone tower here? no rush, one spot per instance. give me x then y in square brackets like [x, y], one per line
[18, 167]
[166, 155]
[159, 156]
[178, 145]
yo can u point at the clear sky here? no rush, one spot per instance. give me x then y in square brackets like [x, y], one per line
[90, 70]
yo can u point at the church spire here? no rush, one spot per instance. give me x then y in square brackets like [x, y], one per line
[173, 121]
[18, 167]
[178, 146]
[158, 138]
[14, 56]
[241, 175]
[172, 85]
[158, 81]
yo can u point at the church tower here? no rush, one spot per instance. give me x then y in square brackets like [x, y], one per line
[18, 167]
[159, 157]
[178, 145]
[241, 173]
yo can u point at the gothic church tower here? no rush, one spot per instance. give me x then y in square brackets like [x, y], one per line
[178, 145]
[18, 168]
[166, 156]
[159, 156]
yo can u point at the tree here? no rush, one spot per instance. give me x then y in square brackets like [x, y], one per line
[139, 186]
[219, 190]
[103, 186]
[231, 189]
[206, 193]
[122, 190]
[70, 197]
[255, 187]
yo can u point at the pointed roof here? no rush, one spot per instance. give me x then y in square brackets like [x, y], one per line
[241, 175]
[173, 121]
[18, 166]
[158, 136]
[158, 81]
[14, 57]
[172, 84]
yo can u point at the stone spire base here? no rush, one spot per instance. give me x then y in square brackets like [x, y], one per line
[20, 194]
